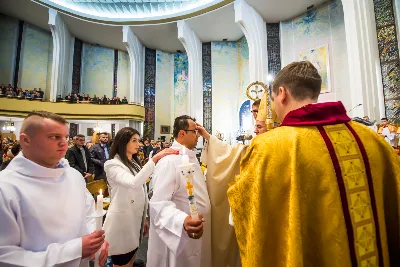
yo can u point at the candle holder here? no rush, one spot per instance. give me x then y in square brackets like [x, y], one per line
[186, 171]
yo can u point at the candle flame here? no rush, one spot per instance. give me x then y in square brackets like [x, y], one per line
[101, 192]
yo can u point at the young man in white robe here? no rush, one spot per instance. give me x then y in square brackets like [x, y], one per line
[176, 239]
[44, 203]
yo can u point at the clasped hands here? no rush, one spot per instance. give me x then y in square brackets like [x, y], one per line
[194, 228]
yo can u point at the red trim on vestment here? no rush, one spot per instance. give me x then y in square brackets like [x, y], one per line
[317, 114]
[371, 192]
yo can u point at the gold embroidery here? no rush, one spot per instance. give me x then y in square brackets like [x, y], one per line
[357, 192]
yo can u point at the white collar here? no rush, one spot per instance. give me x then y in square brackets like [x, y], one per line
[177, 146]
[29, 168]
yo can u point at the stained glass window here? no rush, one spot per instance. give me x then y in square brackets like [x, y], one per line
[149, 93]
[207, 87]
[389, 57]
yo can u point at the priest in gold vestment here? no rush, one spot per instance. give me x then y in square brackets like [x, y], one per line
[320, 190]
[223, 162]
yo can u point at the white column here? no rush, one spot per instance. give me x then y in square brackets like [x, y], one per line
[138, 125]
[255, 30]
[136, 56]
[363, 59]
[61, 55]
[193, 49]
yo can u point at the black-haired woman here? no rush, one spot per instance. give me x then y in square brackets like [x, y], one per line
[126, 223]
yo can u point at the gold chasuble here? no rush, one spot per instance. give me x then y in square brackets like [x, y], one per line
[320, 190]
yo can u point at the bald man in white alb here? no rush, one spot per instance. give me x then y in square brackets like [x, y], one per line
[44, 203]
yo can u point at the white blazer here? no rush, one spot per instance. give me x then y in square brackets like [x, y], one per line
[128, 208]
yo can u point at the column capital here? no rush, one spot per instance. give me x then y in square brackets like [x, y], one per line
[254, 28]
[136, 58]
[193, 47]
[61, 55]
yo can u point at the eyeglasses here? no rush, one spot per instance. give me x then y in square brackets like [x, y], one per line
[254, 111]
[195, 131]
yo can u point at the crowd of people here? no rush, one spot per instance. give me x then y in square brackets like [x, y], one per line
[38, 94]
[11, 91]
[9, 149]
[85, 98]
[319, 190]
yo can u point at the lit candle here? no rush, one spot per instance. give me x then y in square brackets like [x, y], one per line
[185, 158]
[100, 201]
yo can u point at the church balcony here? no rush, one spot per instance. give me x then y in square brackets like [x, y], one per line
[12, 107]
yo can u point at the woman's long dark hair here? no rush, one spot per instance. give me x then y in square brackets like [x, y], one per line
[120, 141]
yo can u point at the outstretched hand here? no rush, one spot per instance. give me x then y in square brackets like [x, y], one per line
[163, 153]
[202, 131]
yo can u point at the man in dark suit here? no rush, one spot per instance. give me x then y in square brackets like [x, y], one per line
[100, 154]
[79, 157]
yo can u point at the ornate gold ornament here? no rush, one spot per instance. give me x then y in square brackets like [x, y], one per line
[256, 90]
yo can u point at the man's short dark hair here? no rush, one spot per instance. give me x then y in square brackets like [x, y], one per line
[79, 135]
[257, 102]
[301, 79]
[384, 119]
[181, 123]
[103, 133]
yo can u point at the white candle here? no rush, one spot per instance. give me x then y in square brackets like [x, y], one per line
[100, 201]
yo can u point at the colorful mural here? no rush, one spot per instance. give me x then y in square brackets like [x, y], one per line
[230, 78]
[36, 58]
[165, 92]
[149, 92]
[389, 57]
[8, 44]
[97, 70]
[207, 87]
[319, 27]
[319, 57]
[180, 84]
[123, 75]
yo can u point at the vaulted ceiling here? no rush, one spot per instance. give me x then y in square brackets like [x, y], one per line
[211, 26]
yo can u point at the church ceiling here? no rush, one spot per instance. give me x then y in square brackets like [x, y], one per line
[131, 10]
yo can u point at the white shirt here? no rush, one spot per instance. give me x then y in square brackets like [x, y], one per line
[43, 215]
[169, 245]
[389, 137]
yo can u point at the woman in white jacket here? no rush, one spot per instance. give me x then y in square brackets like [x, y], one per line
[126, 222]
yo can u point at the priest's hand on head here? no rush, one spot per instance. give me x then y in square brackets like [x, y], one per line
[92, 243]
[202, 131]
[163, 153]
[194, 228]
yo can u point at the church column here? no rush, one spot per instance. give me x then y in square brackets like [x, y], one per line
[254, 28]
[61, 55]
[363, 57]
[136, 56]
[193, 49]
